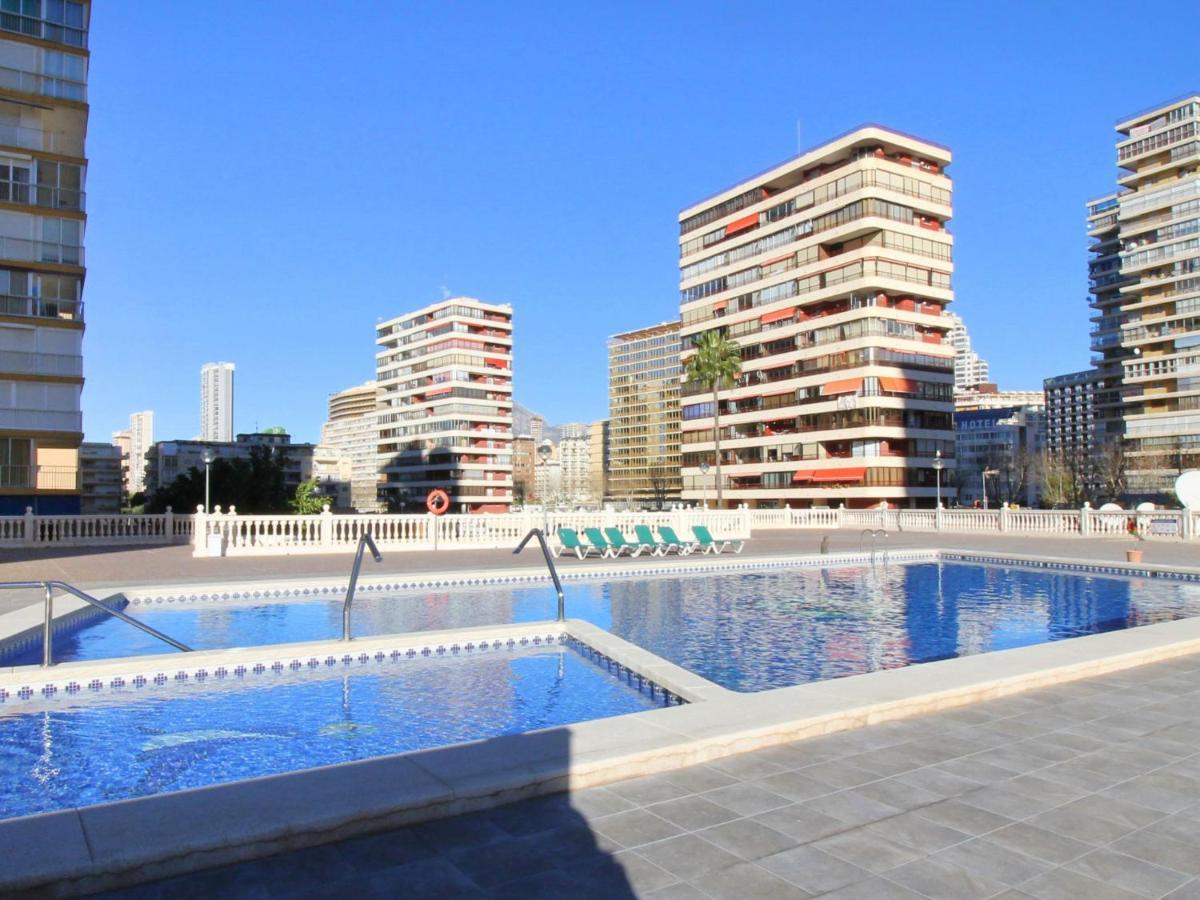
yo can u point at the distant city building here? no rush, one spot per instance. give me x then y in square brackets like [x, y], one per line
[445, 393]
[970, 368]
[333, 472]
[216, 401]
[524, 457]
[353, 430]
[598, 460]
[43, 127]
[988, 396]
[537, 429]
[134, 442]
[574, 453]
[831, 272]
[1145, 292]
[643, 416]
[1002, 445]
[101, 478]
[167, 460]
[1071, 414]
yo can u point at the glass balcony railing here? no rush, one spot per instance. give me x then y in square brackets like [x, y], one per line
[46, 141]
[45, 85]
[40, 251]
[18, 363]
[69, 31]
[41, 308]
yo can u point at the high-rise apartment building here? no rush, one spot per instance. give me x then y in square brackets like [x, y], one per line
[970, 368]
[598, 459]
[1145, 290]
[832, 274]
[445, 418]
[134, 442]
[523, 456]
[100, 478]
[1071, 415]
[43, 126]
[216, 401]
[574, 453]
[353, 430]
[643, 415]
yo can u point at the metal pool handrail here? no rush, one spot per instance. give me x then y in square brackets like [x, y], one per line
[875, 534]
[541, 536]
[364, 540]
[48, 626]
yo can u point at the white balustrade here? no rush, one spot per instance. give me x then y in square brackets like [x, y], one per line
[32, 530]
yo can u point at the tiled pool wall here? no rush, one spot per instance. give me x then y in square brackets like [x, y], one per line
[27, 639]
[266, 661]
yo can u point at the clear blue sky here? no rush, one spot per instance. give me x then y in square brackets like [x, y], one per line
[268, 179]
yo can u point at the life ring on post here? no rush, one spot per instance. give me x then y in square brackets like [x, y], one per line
[437, 502]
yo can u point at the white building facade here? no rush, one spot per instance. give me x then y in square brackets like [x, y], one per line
[216, 401]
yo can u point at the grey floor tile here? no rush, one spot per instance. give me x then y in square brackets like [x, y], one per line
[1113, 809]
[1180, 826]
[688, 856]
[460, 831]
[679, 891]
[635, 827]
[852, 807]
[922, 835]
[976, 770]
[963, 817]
[1073, 774]
[1130, 873]
[650, 789]
[748, 839]
[596, 802]
[698, 779]
[425, 878]
[1189, 891]
[640, 874]
[873, 888]
[746, 799]
[1157, 790]
[1038, 788]
[867, 850]
[747, 766]
[1039, 843]
[692, 813]
[895, 792]
[500, 861]
[813, 870]
[1003, 801]
[748, 881]
[840, 774]
[1063, 884]
[990, 860]
[801, 823]
[1081, 825]
[1162, 851]
[795, 785]
[941, 881]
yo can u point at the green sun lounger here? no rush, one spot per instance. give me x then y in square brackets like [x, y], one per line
[617, 540]
[603, 547]
[672, 541]
[710, 544]
[569, 543]
[647, 539]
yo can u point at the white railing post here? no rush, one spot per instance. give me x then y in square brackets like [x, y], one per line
[169, 525]
[1085, 519]
[841, 515]
[326, 526]
[29, 532]
[1003, 518]
[937, 518]
[199, 531]
[1185, 524]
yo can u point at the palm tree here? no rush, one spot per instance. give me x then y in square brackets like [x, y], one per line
[715, 365]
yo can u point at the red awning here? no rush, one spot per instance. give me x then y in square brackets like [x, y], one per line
[741, 224]
[498, 363]
[778, 393]
[438, 391]
[720, 304]
[845, 386]
[778, 259]
[856, 473]
[803, 475]
[898, 385]
[778, 316]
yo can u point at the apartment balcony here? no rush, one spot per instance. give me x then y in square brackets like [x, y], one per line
[39, 308]
[44, 141]
[44, 85]
[18, 363]
[70, 31]
[22, 250]
[40, 478]
[41, 420]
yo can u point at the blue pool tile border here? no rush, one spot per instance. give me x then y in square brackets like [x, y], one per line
[277, 665]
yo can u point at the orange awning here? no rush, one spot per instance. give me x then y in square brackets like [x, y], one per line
[898, 385]
[845, 386]
[778, 393]
[720, 304]
[803, 475]
[741, 224]
[778, 316]
[778, 259]
[438, 391]
[856, 473]
[499, 363]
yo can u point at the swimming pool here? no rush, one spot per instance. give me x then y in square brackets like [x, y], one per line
[68, 751]
[746, 631]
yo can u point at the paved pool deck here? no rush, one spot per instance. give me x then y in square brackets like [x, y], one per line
[95, 569]
[1089, 789]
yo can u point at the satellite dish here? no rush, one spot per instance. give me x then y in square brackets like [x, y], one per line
[1187, 489]
[1145, 507]
[1111, 507]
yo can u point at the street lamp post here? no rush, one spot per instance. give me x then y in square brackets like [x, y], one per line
[983, 481]
[704, 482]
[937, 472]
[208, 460]
[545, 448]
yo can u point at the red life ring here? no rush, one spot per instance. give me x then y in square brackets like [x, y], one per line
[437, 502]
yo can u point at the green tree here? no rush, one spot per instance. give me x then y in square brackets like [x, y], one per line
[253, 485]
[715, 365]
[307, 501]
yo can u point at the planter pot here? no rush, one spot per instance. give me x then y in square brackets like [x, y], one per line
[1133, 555]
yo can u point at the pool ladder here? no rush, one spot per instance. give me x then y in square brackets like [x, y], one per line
[364, 540]
[874, 534]
[541, 536]
[48, 625]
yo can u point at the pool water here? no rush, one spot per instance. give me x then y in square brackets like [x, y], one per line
[76, 751]
[745, 631]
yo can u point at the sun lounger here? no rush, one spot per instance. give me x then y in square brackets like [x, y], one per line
[709, 543]
[569, 543]
[617, 540]
[603, 547]
[671, 539]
